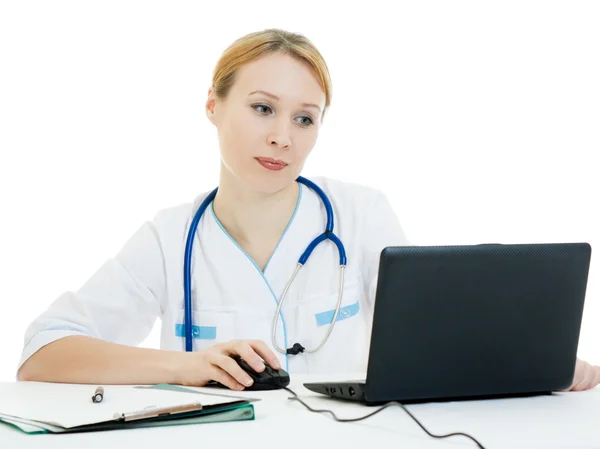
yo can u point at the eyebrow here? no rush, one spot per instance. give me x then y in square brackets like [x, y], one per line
[306, 105]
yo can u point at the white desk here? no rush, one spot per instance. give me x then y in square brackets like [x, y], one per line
[564, 420]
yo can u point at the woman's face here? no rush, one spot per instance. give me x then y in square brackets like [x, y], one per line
[256, 128]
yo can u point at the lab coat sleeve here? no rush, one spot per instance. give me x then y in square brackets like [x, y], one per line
[119, 303]
[381, 228]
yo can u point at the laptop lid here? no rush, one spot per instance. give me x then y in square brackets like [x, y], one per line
[477, 320]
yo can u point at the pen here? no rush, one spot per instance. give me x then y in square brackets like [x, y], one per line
[154, 411]
[98, 395]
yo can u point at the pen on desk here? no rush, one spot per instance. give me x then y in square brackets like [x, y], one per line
[98, 395]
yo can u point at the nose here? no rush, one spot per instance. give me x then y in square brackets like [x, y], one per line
[280, 137]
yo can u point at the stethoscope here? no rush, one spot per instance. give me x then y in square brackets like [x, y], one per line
[328, 234]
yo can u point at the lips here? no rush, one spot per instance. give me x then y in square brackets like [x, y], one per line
[271, 164]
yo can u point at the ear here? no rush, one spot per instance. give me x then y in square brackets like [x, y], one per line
[210, 106]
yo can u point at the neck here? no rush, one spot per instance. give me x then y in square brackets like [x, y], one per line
[250, 216]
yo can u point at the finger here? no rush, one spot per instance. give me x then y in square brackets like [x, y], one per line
[224, 378]
[578, 379]
[588, 375]
[241, 348]
[230, 366]
[265, 352]
[594, 378]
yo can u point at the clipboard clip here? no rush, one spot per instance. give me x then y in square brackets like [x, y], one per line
[153, 411]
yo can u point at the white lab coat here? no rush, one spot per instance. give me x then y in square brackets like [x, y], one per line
[232, 298]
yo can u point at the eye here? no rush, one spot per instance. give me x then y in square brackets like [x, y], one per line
[308, 120]
[255, 106]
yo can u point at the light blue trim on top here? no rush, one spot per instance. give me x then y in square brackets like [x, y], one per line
[345, 312]
[212, 210]
[199, 332]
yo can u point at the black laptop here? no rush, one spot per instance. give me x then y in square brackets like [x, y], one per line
[472, 322]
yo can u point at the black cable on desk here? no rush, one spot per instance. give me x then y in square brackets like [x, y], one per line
[296, 398]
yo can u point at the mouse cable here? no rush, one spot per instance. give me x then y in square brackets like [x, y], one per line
[296, 398]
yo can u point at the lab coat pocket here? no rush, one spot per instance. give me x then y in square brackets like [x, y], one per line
[322, 307]
[209, 326]
[344, 312]
[347, 346]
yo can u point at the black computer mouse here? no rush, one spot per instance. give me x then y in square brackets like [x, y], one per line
[268, 379]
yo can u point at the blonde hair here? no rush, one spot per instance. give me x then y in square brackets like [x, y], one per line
[260, 43]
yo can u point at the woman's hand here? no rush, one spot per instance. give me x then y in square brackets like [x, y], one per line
[586, 376]
[216, 363]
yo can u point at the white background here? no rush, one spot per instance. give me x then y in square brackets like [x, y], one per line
[479, 120]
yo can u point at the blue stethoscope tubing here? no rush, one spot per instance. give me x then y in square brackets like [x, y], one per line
[187, 271]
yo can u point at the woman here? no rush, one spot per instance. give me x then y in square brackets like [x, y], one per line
[269, 95]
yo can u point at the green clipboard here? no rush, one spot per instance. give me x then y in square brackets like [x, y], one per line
[242, 410]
